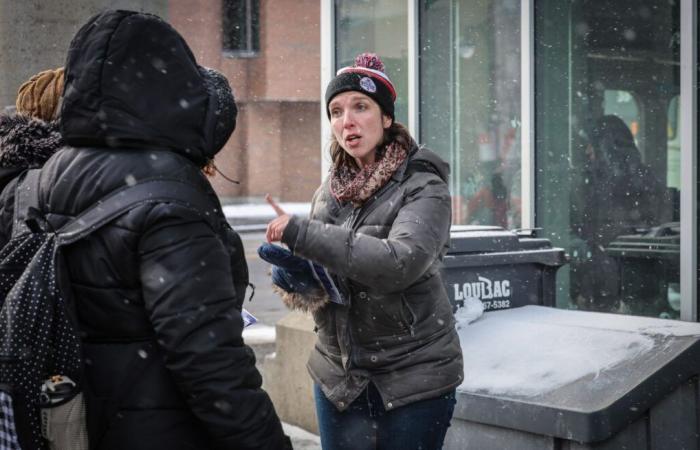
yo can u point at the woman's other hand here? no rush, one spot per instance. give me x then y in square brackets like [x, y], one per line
[276, 227]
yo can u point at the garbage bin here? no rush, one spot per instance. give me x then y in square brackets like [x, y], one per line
[502, 268]
[544, 378]
[649, 270]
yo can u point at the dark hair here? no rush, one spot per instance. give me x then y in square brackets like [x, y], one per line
[614, 146]
[396, 132]
[613, 129]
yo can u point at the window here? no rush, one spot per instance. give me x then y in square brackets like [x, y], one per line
[624, 105]
[378, 27]
[241, 27]
[607, 157]
[673, 145]
[470, 104]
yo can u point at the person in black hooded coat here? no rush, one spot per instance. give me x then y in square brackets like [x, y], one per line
[621, 196]
[157, 282]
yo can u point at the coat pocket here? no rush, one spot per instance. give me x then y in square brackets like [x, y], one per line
[374, 315]
[408, 317]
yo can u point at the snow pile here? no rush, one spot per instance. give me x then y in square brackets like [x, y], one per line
[263, 210]
[473, 309]
[534, 350]
[301, 439]
[259, 334]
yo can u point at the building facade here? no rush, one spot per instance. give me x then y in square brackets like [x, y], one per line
[270, 52]
[573, 117]
[34, 35]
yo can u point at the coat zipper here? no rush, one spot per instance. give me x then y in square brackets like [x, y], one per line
[364, 210]
[352, 222]
[349, 223]
[412, 322]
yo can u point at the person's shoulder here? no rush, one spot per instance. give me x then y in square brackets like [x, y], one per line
[322, 196]
[121, 163]
[426, 166]
[77, 177]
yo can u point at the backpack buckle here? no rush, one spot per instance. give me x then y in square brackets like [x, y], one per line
[36, 221]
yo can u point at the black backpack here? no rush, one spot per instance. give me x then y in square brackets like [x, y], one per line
[39, 337]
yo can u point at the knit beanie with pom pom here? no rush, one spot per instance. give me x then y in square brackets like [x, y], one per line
[366, 76]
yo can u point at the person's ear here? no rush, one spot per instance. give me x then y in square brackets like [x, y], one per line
[386, 121]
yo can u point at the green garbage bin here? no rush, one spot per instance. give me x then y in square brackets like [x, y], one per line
[501, 268]
[543, 378]
[649, 270]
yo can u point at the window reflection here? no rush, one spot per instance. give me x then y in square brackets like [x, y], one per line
[607, 83]
[380, 27]
[470, 103]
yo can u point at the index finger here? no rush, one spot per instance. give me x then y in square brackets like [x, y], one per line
[275, 206]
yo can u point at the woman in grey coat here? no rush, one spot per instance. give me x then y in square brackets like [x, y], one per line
[387, 360]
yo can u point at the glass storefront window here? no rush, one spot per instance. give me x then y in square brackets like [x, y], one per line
[381, 27]
[623, 105]
[470, 103]
[674, 144]
[607, 150]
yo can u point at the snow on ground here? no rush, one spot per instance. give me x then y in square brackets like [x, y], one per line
[301, 439]
[473, 309]
[533, 350]
[259, 334]
[263, 210]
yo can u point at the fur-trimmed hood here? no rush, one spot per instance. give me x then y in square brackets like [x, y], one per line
[26, 142]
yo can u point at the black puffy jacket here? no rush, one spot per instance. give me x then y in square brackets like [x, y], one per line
[158, 282]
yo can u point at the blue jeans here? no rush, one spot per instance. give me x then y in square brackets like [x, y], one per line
[366, 425]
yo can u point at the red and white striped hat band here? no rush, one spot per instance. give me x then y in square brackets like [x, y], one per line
[376, 74]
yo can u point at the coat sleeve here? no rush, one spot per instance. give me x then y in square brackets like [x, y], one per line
[189, 294]
[418, 236]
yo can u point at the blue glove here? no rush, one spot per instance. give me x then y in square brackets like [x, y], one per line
[291, 273]
[298, 275]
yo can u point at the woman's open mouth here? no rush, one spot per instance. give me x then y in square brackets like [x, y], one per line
[353, 140]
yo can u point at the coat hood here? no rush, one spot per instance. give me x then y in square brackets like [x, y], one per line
[423, 159]
[132, 81]
[26, 142]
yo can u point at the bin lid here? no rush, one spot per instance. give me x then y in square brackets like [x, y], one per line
[575, 375]
[483, 239]
[659, 242]
[492, 245]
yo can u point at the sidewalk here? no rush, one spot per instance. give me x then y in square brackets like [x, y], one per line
[251, 217]
[261, 338]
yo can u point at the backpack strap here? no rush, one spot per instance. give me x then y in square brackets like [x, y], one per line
[128, 197]
[26, 196]
[111, 206]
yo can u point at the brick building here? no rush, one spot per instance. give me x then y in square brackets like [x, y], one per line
[270, 52]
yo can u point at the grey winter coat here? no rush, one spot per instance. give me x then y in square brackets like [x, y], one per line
[398, 330]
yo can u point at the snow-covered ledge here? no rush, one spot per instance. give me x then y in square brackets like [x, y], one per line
[537, 375]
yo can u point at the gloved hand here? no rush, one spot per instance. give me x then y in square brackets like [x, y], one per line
[289, 272]
[293, 278]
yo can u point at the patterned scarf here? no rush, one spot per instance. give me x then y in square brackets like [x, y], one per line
[357, 185]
